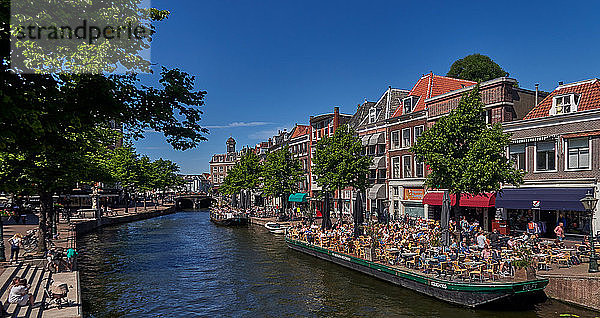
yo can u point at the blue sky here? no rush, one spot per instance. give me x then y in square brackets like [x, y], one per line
[267, 65]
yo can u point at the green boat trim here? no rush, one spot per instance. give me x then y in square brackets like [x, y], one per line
[506, 287]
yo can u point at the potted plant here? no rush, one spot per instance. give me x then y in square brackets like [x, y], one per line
[524, 264]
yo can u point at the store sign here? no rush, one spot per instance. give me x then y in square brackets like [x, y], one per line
[536, 204]
[414, 194]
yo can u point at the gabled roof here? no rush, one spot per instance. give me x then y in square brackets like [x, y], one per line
[431, 85]
[300, 130]
[589, 97]
[385, 106]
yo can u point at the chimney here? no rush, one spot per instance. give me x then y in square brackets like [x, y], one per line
[560, 83]
[336, 118]
[537, 93]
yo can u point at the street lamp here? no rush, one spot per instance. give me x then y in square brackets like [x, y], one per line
[589, 204]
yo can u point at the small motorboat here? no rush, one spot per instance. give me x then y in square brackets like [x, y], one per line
[228, 219]
[276, 228]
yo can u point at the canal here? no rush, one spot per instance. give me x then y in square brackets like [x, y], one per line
[181, 265]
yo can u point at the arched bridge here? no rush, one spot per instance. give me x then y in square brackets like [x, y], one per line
[194, 201]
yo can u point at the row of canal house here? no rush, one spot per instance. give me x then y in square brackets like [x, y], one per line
[555, 140]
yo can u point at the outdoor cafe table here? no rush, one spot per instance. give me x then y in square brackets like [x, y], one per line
[473, 264]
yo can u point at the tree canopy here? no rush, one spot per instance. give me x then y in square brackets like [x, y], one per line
[476, 67]
[282, 173]
[245, 175]
[464, 154]
[339, 162]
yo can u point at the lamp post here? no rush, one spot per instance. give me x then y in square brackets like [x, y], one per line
[589, 204]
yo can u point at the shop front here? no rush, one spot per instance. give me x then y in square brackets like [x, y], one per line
[478, 208]
[412, 202]
[539, 210]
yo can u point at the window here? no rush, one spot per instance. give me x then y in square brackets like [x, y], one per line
[565, 104]
[372, 150]
[395, 139]
[419, 168]
[396, 205]
[545, 156]
[418, 132]
[396, 168]
[373, 174]
[372, 115]
[406, 138]
[221, 169]
[380, 149]
[409, 104]
[578, 153]
[396, 191]
[517, 155]
[407, 166]
[381, 173]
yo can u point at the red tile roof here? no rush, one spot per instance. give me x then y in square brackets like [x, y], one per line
[300, 130]
[589, 92]
[431, 85]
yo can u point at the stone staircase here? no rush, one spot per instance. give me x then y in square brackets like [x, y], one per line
[37, 278]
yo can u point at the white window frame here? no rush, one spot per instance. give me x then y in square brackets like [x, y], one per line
[402, 145]
[415, 168]
[392, 146]
[413, 102]
[372, 115]
[566, 154]
[399, 174]
[573, 105]
[410, 160]
[535, 152]
[415, 133]
[396, 191]
[525, 145]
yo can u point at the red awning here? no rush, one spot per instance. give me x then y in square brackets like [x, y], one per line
[485, 200]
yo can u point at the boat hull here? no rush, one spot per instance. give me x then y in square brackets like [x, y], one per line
[517, 294]
[236, 221]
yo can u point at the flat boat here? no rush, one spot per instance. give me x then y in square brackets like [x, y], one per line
[276, 228]
[465, 293]
[228, 219]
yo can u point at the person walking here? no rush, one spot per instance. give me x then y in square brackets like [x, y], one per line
[15, 245]
[560, 231]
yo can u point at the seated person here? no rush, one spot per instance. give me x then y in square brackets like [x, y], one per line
[19, 293]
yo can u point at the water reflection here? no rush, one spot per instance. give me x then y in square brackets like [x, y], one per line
[181, 265]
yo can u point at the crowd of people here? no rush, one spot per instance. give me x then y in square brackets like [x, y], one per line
[424, 245]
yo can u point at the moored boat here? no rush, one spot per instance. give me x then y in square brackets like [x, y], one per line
[276, 228]
[464, 293]
[228, 218]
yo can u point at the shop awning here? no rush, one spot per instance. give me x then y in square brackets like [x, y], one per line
[378, 163]
[435, 198]
[365, 140]
[298, 197]
[485, 200]
[377, 139]
[558, 198]
[377, 192]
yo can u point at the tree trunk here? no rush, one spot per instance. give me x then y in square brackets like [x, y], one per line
[135, 198]
[341, 218]
[46, 201]
[145, 207]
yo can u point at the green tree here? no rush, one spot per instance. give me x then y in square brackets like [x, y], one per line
[245, 175]
[464, 154]
[281, 174]
[339, 163]
[125, 169]
[476, 67]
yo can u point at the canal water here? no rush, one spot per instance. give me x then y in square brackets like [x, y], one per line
[181, 265]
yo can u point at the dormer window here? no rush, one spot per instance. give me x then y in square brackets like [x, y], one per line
[409, 103]
[372, 115]
[564, 104]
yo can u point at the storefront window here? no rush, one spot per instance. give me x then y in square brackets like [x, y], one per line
[546, 156]
[578, 153]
